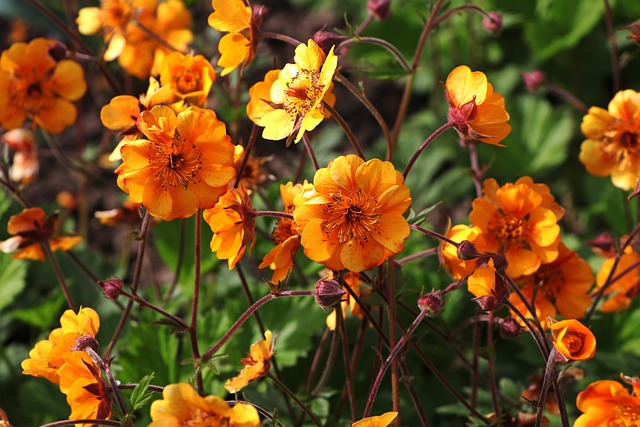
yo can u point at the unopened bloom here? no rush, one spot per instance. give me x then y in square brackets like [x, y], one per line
[182, 405]
[232, 223]
[573, 340]
[25, 163]
[561, 286]
[239, 46]
[487, 285]
[299, 92]
[36, 86]
[519, 220]
[383, 420]
[609, 403]
[477, 112]
[187, 78]
[30, 229]
[185, 165]
[624, 289]
[353, 217]
[354, 282]
[612, 146]
[256, 363]
[459, 268]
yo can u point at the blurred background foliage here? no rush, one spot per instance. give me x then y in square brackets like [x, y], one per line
[565, 39]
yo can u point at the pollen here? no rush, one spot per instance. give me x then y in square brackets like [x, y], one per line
[351, 216]
[303, 92]
[511, 230]
[177, 164]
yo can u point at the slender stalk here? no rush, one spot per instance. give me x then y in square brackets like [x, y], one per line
[58, 272]
[424, 145]
[153, 36]
[613, 53]
[475, 359]
[393, 338]
[532, 330]
[567, 96]
[365, 23]
[277, 36]
[467, 7]
[493, 387]
[562, 406]
[476, 173]
[112, 382]
[549, 371]
[345, 128]
[247, 153]
[275, 214]
[182, 225]
[312, 156]
[193, 336]
[295, 398]
[362, 330]
[315, 363]
[435, 235]
[416, 256]
[88, 421]
[341, 330]
[328, 367]
[380, 42]
[144, 303]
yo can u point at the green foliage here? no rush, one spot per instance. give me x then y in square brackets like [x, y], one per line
[12, 279]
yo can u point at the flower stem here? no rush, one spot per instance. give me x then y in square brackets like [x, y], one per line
[424, 145]
[247, 153]
[58, 272]
[312, 156]
[380, 42]
[347, 131]
[491, 365]
[434, 235]
[295, 398]
[341, 330]
[275, 214]
[613, 53]
[277, 36]
[144, 303]
[88, 421]
[393, 337]
[193, 336]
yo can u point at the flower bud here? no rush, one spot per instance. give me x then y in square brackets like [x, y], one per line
[603, 241]
[328, 293]
[509, 328]
[379, 8]
[467, 251]
[533, 79]
[58, 52]
[634, 31]
[85, 341]
[326, 40]
[492, 22]
[111, 288]
[432, 303]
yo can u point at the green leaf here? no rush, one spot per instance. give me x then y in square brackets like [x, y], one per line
[12, 279]
[419, 218]
[43, 315]
[140, 396]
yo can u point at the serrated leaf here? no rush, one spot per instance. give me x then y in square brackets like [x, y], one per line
[12, 279]
[43, 315]
[419, 218]
[140, 396]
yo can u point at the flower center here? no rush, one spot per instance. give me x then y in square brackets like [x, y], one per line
[303, 92]
[510, 230]
[351, 216]
[284, 229]
[188, 81]
[626, 416]
[176, 164]
[116, 13]
[573, 342]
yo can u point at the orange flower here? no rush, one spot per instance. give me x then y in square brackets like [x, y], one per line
[34, 85]
[257, 365]
[30, 229]
[520, 221]
[478, 113]
[624, 289]
[260, 93]
[232, 223]
[127, 213]
[560, 286]
[298, 93]
[188, 78]
[181, 405]
[383, 420]
[185, 165]
[488, 287]
[573, 340]
[280, 258]
[86, 391]
[48, 355]
[252, 174]
[460, 268]
[25, 164]
[609, 403]
[353, 216]
[355, 283]
[239, 46]
[611, 147]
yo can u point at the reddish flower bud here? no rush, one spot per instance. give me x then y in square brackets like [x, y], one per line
[492, 22]
[509, 328]
[85, 341]
[326, 40]
[467, 251]
[634, 31]
[533, 79]
[603, 242]
[328, 293]
[379, 8]
[111, 288]
[58, 52]
[432, 303]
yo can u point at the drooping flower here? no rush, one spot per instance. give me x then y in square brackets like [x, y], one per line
[30, 229]
[353, 217]
[285, 234]
[260, 97]
[257, 364]
[251, 171]
[478, 113]
[457, 267]
[182, 405]
[487, 285]
[25, 163]
[521, 221]
[232, 223]
[127, 213]
[185, 165]
[299, 92]
[609, 403]
[625, 288]
[188, 78]
[239, 46]
[561, 286]
[383, 420]
[355, 283]
[573, 340]
[48, 355]
[612, 146]
[34, 85]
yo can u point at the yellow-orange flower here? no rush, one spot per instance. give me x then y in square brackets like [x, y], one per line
[609, 403]
[188, 78]
[521, 221]
[383, 420]
[298, 93]
[257, 364]
[461, 268]
[260, 94]
[612, 146]
[285, 234]
[232, 223]
[185, 165]
[478, 113]
[30, 229]
[239, 46]
[487, 285]
[561, 286]
[182, 405]
[34, 85]
[48, 355]
[251, 171]
[353, 216]
[573, 340]
[355, 283]
[625, 288]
